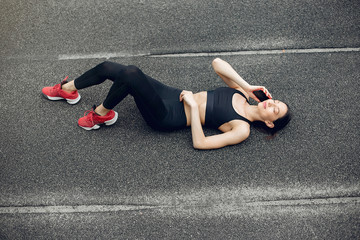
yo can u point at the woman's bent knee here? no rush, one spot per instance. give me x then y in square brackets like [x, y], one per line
[132, 70]
[106, 65]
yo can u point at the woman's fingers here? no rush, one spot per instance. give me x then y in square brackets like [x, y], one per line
[267, 93]
[259, 88]
[188, 98]
[183, 94]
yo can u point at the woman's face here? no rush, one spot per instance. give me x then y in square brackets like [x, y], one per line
[271, 110]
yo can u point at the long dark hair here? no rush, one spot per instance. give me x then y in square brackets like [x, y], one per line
[278, 124]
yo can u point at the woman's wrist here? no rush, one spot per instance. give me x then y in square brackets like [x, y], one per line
[247, 87]
[194, 106]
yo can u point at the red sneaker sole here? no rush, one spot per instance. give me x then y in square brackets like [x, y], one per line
[69, 101]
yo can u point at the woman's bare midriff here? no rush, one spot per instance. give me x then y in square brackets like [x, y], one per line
[200, 99]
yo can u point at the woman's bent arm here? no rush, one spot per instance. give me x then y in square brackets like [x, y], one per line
[232, 137]
[197, 132]
[233, 79]
[229, 75]
[235, 136]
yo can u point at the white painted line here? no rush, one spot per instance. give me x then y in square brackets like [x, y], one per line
[98, 55]
[259, 52]
[205, 54]
[73, 209]
[117, 208]
[316, 201]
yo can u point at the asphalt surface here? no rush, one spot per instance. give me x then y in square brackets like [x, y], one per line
[304, 184]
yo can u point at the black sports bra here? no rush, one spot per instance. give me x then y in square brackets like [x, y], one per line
[219, 109]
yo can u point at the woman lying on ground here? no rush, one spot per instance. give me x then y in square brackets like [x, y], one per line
[166, 108]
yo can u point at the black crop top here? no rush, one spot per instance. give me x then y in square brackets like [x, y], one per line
[219, 109]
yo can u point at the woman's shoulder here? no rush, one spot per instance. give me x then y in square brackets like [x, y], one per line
[236, 125]
[242, 128]
[243, 92]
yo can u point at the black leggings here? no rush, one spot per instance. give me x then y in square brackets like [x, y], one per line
[159, 104]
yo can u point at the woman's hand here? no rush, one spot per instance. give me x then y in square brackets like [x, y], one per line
[188, 98]
[255, 88]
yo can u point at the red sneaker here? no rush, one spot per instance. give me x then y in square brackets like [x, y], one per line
[56, 93]
[92, 120]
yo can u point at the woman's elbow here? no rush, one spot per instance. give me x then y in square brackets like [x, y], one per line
[199, 145]
[216, 62]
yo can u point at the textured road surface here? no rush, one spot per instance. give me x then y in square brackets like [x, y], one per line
[127, 181]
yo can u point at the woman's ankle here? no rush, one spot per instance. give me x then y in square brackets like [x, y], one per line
[101, 110]
[69, 87]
